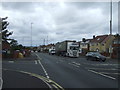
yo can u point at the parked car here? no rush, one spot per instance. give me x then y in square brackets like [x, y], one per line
[95, 56]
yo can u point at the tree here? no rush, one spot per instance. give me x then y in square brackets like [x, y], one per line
[4, 30]
[84, 40]
[13, 43]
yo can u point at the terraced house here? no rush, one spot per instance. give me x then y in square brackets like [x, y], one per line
[102, 43]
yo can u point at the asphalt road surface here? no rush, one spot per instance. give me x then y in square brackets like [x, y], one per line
[69, 72]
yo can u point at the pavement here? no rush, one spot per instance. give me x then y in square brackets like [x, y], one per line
[31, 57]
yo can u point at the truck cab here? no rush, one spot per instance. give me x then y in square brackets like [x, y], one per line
[73, 50]
[51, 51]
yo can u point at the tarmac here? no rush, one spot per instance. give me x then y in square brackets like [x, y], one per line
[14, 79]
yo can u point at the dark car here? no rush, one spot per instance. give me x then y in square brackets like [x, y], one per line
[95, 56]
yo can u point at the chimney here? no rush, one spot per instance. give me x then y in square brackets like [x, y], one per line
[93, 36]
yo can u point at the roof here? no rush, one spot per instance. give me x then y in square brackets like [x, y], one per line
[100, 39]
[86, 41]
[50, 45]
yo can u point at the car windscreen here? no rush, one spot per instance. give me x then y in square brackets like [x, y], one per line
[97, 54]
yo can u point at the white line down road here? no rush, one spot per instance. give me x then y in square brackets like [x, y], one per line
[102, 74]
[42, 67]
[11, 61]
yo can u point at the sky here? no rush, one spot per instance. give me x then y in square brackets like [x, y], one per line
[54, 22]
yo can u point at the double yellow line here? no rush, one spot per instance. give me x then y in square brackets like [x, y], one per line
[49, 82]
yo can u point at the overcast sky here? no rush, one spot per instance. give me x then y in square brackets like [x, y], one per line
[58, 21]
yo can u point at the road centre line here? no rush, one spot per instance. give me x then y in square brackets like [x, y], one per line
[43, 67]
[102, 74]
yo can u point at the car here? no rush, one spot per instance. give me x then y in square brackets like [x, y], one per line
[95, 56]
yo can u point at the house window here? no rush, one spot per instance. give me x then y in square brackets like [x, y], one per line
[98, 39]
[97, 49]
[92, 44]
[115, 42]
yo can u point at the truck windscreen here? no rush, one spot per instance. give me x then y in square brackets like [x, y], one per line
[74, 48]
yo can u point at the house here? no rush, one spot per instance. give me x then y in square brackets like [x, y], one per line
[45, 48]
[84, 46]
[41, 48]
[102, 44]
[50, 46]
[116, 47]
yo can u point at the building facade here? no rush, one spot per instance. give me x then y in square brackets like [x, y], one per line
[116, 47]
[102, 43]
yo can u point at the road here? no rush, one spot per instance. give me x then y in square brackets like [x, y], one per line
[69, 72]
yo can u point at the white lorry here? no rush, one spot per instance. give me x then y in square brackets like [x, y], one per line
[67, 48]
[51, 51]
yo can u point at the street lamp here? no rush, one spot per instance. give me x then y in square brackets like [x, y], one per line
[110, 51]
[31, 35]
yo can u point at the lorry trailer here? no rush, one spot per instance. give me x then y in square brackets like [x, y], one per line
[67, 48]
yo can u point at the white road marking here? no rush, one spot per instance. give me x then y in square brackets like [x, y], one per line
[101, 68]
[73, 64]
[1, 84]
[102, 74]
[102, 64]
[11, 61]
[42, 67]
[110, 73]
[76, 63]
[35, 62]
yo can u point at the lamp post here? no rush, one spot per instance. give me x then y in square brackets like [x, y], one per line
[31, 35]
[110, 29]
